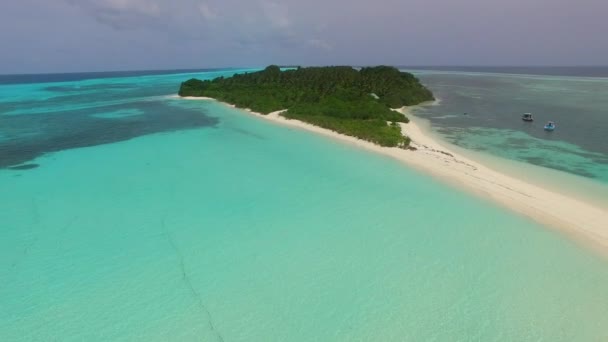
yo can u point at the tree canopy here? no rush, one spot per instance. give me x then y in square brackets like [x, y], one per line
[343, 99]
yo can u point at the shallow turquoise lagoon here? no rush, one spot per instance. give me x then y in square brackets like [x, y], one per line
[240, 230]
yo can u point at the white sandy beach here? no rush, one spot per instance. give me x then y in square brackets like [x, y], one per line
[581, 220]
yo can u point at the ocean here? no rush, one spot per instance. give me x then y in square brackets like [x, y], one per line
[129, 214]
[480, 111]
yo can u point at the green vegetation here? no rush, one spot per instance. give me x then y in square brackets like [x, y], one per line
[352, 102]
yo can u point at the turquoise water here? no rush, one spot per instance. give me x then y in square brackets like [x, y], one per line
[482, 112]
[199, 222]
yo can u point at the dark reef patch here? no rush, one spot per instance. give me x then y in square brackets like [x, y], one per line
[545, 163]
[31, 136]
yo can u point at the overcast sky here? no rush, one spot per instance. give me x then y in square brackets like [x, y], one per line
[95, 35]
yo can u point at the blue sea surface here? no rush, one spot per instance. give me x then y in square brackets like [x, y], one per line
[131, 215]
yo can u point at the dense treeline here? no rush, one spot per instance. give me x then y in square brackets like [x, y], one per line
[348, 101]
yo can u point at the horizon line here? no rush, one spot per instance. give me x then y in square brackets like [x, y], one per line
[302, 65]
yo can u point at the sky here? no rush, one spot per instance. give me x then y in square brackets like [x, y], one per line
[103, 35]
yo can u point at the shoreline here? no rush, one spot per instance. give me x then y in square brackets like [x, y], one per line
[584, 189]
[582, 221]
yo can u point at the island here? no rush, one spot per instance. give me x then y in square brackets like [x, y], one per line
[354, 102]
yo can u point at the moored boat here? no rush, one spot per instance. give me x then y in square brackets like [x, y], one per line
[527, 117]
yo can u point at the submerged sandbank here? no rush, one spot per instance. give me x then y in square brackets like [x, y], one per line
[582, 220]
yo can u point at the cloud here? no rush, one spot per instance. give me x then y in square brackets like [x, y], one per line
[256, 24]
[320, 44]
[276, 14]
[121, 14]
[120, 34]
[144, 7]
[265, 24]
[207, 12]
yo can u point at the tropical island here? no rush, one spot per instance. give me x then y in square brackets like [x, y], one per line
[343, 99]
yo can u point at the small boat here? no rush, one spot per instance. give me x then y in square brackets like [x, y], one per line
[527, 117]
[550, 126]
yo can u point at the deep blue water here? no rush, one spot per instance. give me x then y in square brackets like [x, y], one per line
[81, 76]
